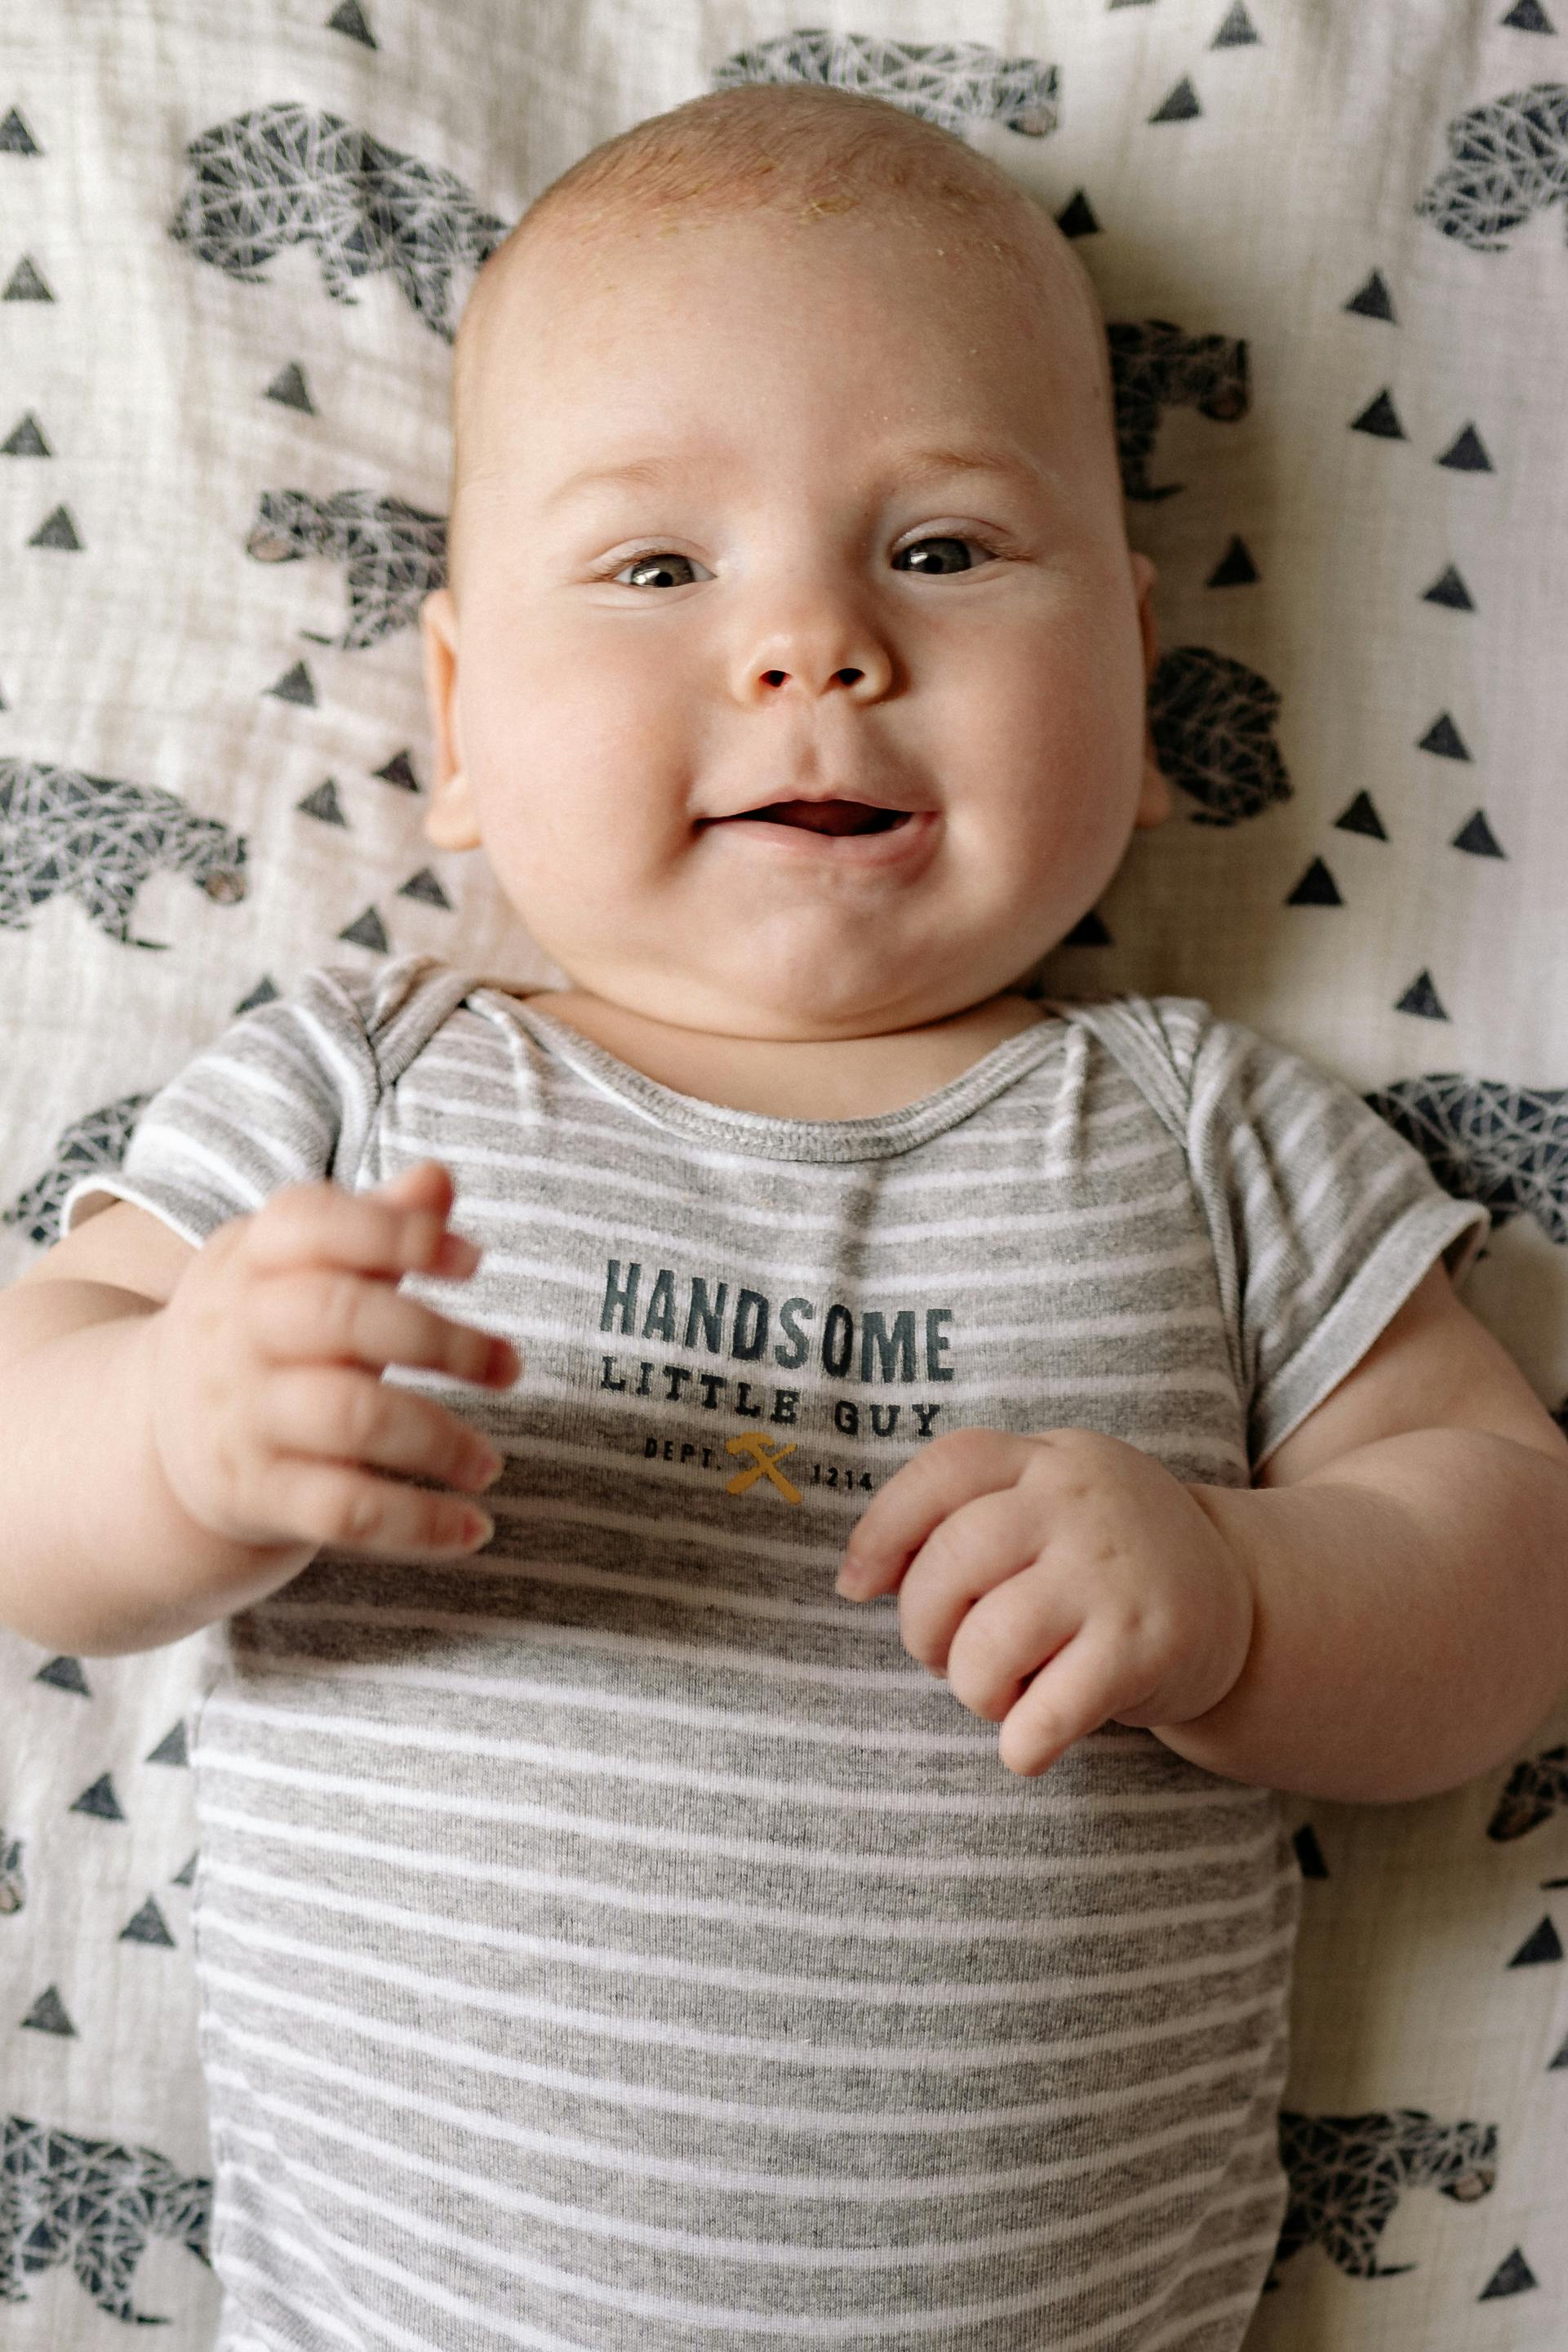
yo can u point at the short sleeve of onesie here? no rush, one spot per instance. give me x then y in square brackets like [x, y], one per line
[1323, 1219]
[285, 1095]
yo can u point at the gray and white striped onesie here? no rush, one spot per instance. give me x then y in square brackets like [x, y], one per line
[615, 1942]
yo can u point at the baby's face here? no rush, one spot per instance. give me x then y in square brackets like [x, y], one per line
[799, 595]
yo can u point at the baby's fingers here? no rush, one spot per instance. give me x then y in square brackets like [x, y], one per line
[373, 1234]
[332, 1503]
[346, 1417]
[948, 1472]
[1071, 1695]
[321, 1313]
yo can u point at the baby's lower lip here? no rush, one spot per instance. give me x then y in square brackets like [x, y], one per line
[888, 846]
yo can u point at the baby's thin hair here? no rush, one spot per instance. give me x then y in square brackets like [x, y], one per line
[805, 148]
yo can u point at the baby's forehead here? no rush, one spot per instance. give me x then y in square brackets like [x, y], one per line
[557, 287]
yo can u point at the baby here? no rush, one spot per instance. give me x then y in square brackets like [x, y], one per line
[613, 1932]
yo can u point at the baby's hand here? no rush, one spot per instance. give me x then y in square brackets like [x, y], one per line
[267, 1398]
[1068, 1556]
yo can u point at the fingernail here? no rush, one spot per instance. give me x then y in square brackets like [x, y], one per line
[852, 1581]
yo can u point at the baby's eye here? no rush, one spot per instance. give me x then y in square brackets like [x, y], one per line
[922, 563]
[658, 563]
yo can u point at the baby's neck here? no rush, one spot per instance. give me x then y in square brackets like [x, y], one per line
[857, 1077]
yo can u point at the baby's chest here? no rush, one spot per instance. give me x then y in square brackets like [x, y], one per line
[763, 1360]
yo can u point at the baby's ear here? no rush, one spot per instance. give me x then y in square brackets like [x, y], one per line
[1144, 579]
[1155, 792]
[449, 820]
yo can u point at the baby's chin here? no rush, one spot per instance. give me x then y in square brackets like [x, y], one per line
[782, 1005]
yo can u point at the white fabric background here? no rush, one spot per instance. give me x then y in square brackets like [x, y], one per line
[1430, 1972]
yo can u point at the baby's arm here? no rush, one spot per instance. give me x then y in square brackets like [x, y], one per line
[170, 1459]
[1385, 1615]
[1408, 1548]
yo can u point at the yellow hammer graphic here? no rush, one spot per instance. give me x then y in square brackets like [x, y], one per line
[765, 1454]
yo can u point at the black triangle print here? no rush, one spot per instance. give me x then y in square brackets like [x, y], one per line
[1542, 1944]
[1234, 569]
[1090, 933]
[1422, 998]
[1308, 1853]
[1450, 590]
[1511, 2277]
[99, 1800]
[65, 1674]
[350, 19]
[366, 932]
[323, 803]
[1372, 300]
[1132, 4]
[1180, 106]
[287, 387]
[1478, 838]
[47, 2015]
[1528, 16]
[149, 1926]
[58, 530]
[25, 440]
[170, 1748]
[1444, 738]
[1317, 888]
[15, 139]
[262, 993]
[1379, 417]
[1237, 28]
[296, 685]
[1362, 817]
[25, 285]
[1076, 218]
[187, 1877]
[399, 771]
[1467, 454]
[426, 886]
[1561, 2059]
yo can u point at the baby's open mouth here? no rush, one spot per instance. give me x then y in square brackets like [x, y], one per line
[826, 816]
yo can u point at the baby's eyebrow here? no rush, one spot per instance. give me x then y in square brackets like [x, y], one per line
[904, 468]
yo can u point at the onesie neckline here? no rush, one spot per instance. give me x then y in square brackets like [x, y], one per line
[880, 1135]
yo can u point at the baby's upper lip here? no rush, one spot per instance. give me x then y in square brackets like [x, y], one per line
[865, 795]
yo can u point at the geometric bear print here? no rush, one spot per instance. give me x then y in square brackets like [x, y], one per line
[97, 2202]
[1347, 2173]
[290, 174]
[99, 1139]
[1504, 1146]
[1154, 366]
[1212, 719]
[396, 554]
[1537, 1792]
[948, 82]
[100, 839]
[1508, 160]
